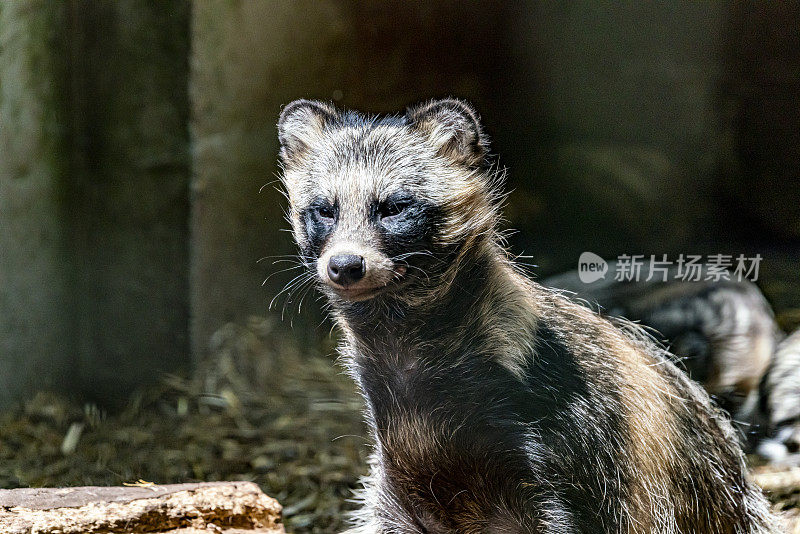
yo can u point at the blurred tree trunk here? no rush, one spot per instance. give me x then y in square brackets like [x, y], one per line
[36, 348]
[129, 190]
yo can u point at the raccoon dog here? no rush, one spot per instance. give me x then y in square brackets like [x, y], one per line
[497, 406]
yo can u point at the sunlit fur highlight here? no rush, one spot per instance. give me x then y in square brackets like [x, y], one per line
[497, 405]
[723, 332]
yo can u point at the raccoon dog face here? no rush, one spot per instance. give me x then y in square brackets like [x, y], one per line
[383, 203]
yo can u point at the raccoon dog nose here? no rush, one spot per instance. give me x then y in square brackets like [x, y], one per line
[346, 269]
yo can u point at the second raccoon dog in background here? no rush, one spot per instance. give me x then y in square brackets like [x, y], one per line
[496, 405]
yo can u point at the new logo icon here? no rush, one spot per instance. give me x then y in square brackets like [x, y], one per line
[591, 267]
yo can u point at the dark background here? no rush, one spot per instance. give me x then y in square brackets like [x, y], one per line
[135, 138]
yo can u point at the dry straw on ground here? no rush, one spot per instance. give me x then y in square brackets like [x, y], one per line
[257, 410]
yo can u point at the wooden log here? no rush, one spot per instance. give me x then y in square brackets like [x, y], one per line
[219, 507]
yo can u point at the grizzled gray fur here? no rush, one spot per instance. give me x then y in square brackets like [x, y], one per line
[496, 405]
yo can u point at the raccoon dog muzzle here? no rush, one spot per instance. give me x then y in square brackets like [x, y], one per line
[356, 272]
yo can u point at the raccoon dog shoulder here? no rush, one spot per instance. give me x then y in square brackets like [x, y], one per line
[723, 332]
[496, 405]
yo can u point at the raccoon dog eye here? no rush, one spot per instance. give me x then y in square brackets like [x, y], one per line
[391, 209]
[325, 212]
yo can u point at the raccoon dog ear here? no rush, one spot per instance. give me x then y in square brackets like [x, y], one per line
[300, 123]
[454, 127]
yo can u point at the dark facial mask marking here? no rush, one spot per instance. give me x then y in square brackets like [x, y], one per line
[404, 223]
[320, 219]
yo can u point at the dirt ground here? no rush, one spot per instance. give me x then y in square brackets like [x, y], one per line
[259, 410]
